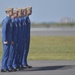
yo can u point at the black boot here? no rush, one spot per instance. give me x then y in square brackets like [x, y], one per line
[10, 70]
[3, 70]
[27, 66]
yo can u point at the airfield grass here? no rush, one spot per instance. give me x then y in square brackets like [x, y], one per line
[50, 48]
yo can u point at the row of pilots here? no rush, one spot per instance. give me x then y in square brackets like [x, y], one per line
[16, 39]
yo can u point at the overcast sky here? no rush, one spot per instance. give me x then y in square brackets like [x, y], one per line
[43, 10]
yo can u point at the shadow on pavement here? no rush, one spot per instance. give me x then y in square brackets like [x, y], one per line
[45, 68]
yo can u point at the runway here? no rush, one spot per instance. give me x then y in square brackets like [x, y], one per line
[70, 31]
[47, 68]
[61, 31]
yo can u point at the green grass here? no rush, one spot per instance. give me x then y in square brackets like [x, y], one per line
[51, 48]
[0, 48]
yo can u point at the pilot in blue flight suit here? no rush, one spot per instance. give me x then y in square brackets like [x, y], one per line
[27, 37]
[15, 39]
[13, 47]
[24, 33]
[23, 24]
[20, 38]
[6, 39]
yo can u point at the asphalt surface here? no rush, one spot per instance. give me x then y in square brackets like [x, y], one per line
[61, 31]
[70, 31]
[47, 68]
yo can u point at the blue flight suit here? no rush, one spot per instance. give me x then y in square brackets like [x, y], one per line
[11, 52]
[24, 40]
[15, 39]
[27, 20]
[13, 48]
[6, 36]
[20, 42]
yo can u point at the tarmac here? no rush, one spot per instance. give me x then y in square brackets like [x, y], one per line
[61, 31]
[45, 67]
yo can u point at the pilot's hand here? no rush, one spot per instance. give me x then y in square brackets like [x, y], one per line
[5, 42]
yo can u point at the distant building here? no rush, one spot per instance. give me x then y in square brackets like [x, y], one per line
[66, 20]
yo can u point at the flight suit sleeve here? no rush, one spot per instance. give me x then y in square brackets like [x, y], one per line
[4, 27]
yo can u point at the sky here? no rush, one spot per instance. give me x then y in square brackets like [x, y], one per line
[43, 10]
